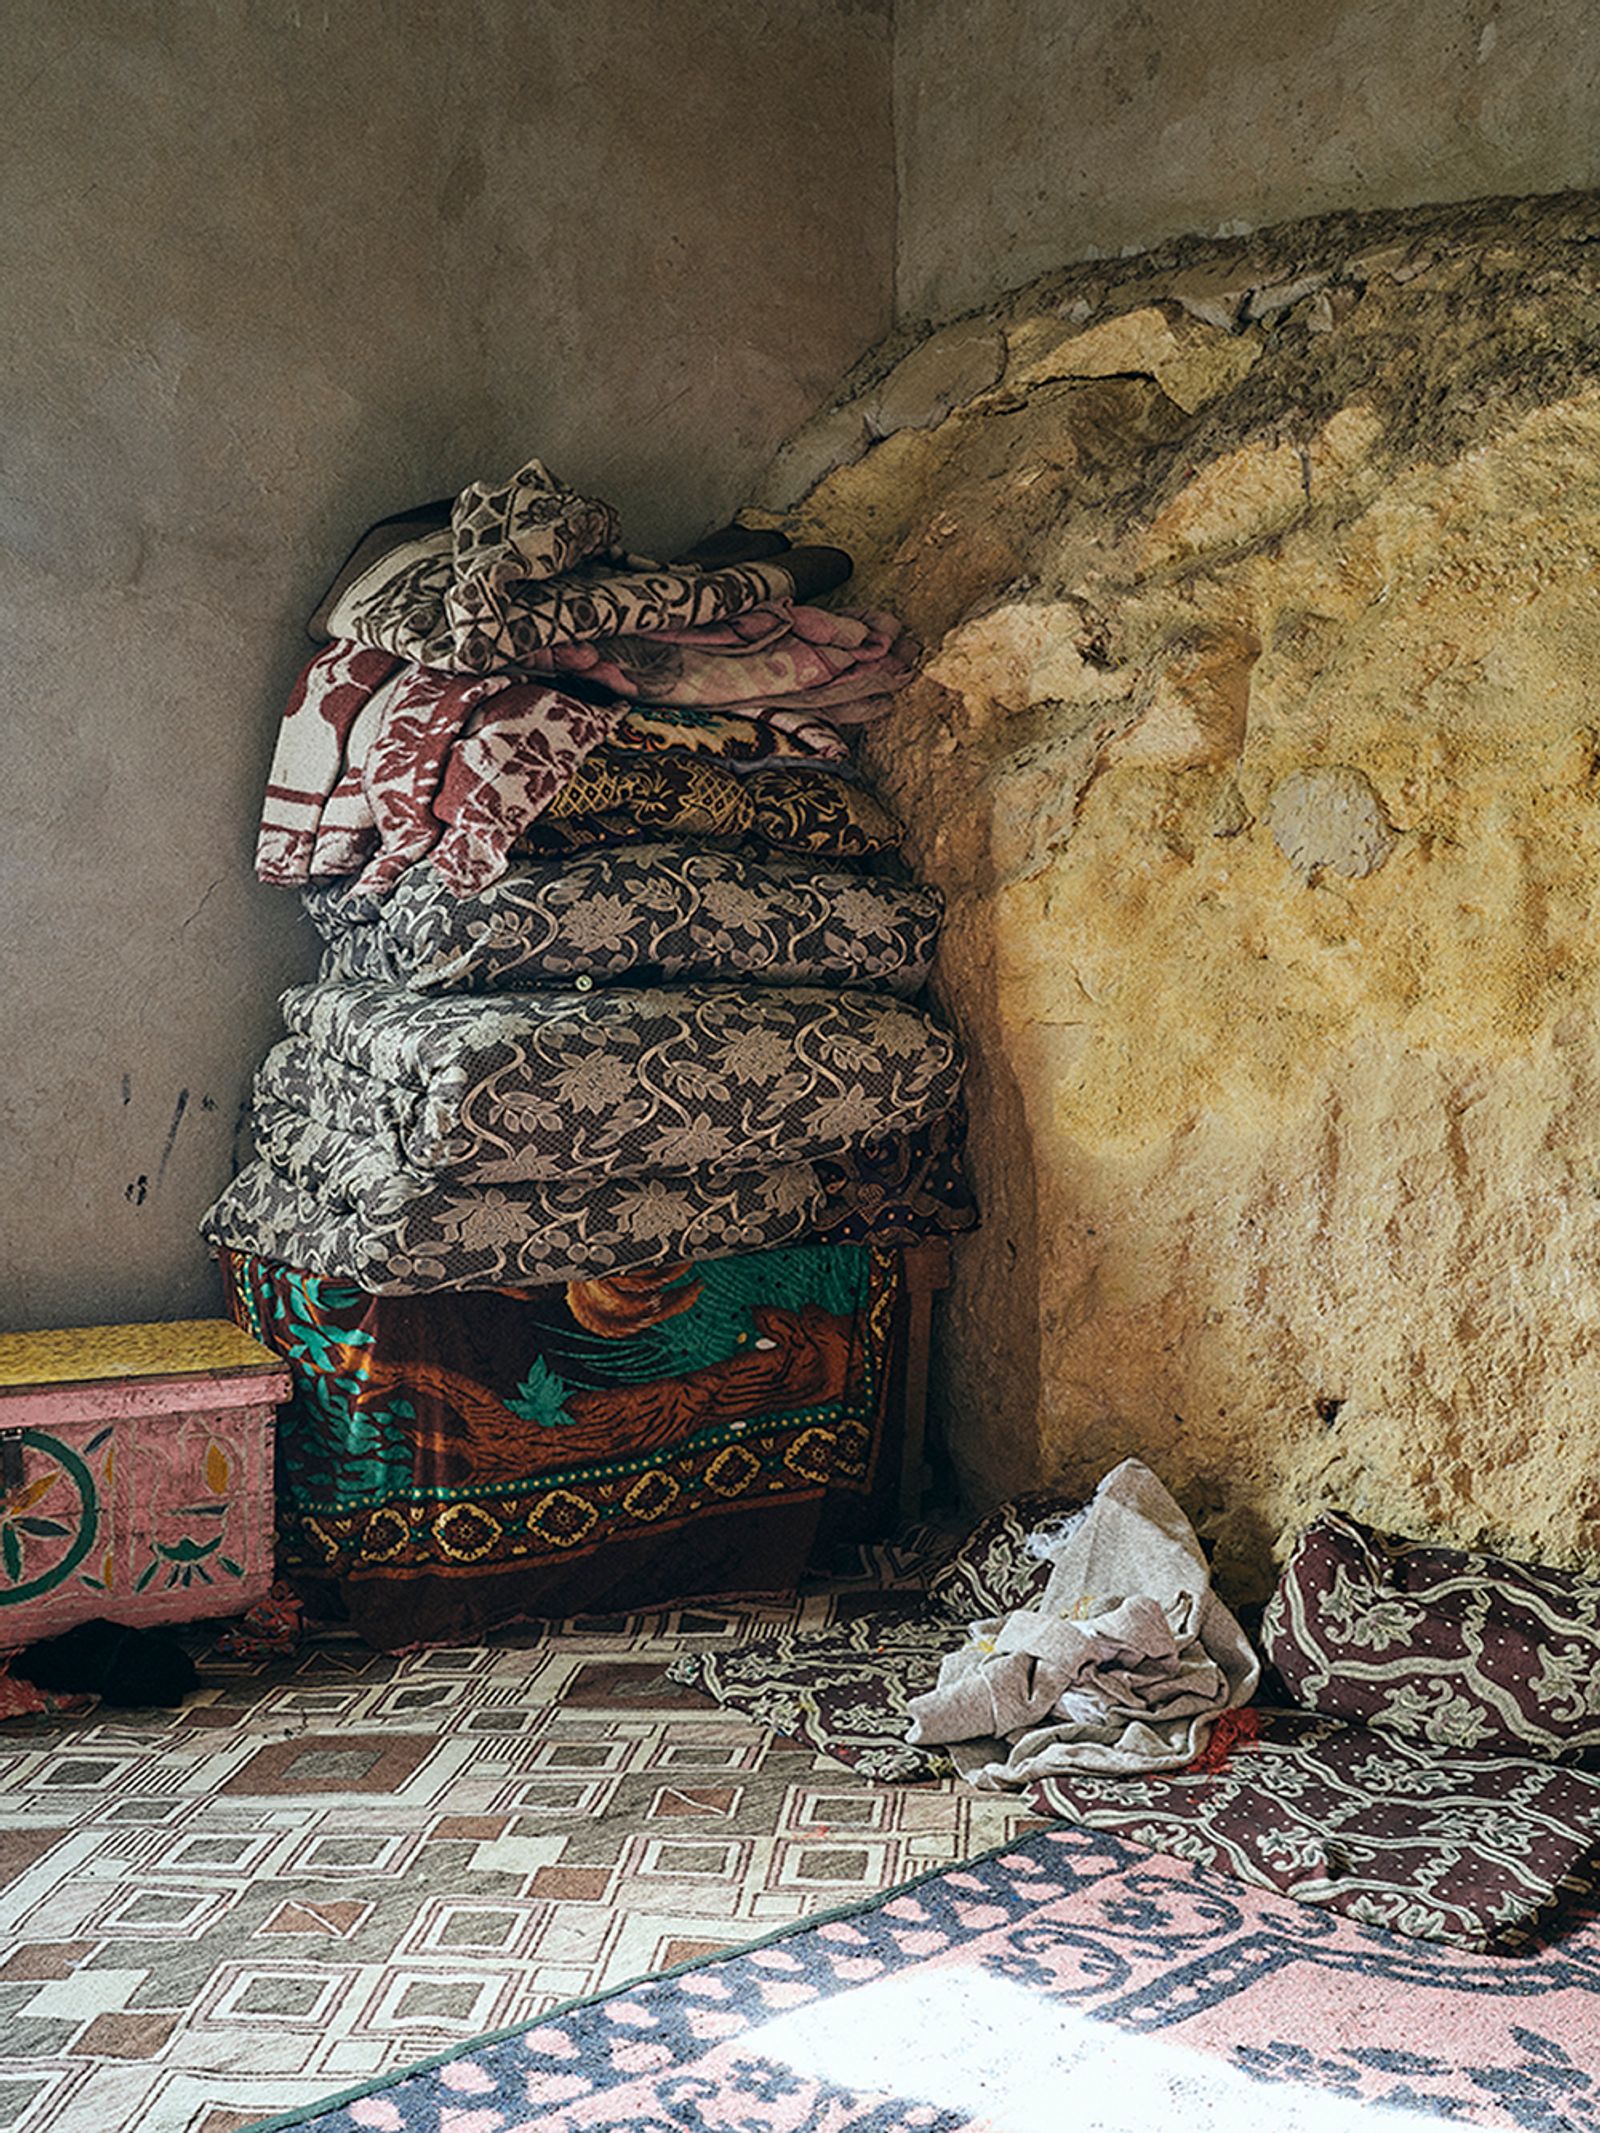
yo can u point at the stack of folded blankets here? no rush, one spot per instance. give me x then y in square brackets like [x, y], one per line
[619, 963]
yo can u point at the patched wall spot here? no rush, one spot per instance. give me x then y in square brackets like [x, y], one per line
[1331, 821]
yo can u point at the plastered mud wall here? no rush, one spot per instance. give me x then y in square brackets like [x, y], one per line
[1258, 753]
[273, 270]
[1028, 132]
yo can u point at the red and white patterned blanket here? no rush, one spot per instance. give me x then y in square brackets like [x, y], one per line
[379, 764]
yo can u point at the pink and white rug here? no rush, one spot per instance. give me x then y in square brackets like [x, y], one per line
[1069, 1980]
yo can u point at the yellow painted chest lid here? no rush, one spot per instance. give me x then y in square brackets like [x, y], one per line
[88, 1355]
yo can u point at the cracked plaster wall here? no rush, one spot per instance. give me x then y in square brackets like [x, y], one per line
[1257, 752]
[273, 270]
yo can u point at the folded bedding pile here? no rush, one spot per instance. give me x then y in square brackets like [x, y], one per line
[620, 966]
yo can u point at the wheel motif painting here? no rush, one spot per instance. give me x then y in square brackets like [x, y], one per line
[50, 1523]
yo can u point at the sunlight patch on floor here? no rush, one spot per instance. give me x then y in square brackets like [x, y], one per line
[1020, 2062]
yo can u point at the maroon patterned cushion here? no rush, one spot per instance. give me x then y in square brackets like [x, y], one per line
[1469, 1849]
[992, 1572]
[1462, 1651]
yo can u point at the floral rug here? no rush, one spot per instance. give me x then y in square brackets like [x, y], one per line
[1069, 1977]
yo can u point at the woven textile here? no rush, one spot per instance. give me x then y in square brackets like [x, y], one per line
[532, 526]
[379, 765]
[642, 914]
[1469, 1849]
[739, 737]
[1461, 1650]
[592, 1444]
[832, 665]
[412, 601]
[609, 1083]
[1124, 1663]
[1066, 1980]
[310, 755]
[489, 629]
[621, 798]
[356, 956]
[844, 1690]
[993, 1570]
[297, 1882]
[903, 1189]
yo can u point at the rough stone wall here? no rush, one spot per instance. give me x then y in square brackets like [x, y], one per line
[1258, 752]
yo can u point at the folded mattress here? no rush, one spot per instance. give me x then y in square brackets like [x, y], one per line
[612, 1083]
[331, 1203]
[638, 914]
[396, 1233]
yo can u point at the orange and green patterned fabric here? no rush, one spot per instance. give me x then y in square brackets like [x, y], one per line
[455, 1460]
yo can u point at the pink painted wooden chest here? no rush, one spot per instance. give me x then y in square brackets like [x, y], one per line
[135, 1474]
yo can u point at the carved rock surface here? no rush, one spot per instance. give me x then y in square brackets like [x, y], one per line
[1257, 751]
[1192, 364]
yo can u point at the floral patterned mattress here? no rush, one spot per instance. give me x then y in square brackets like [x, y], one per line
[327, 1202]
[608, 1084]
[636, 915]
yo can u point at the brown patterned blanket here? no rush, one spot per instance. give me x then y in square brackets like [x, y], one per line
[378, 765]
[841, 667]
[411, 601]
[368, 753]
[741, 736]
[335, 1204]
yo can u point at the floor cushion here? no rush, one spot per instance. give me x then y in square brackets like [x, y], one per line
[1437, 1644]
[1474, 1850]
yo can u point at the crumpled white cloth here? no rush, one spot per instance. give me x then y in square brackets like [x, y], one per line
[1123, 1667]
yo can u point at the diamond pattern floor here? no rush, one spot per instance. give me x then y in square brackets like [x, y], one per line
[327, 1867]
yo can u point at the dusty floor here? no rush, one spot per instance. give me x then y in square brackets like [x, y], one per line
[325, 1867]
